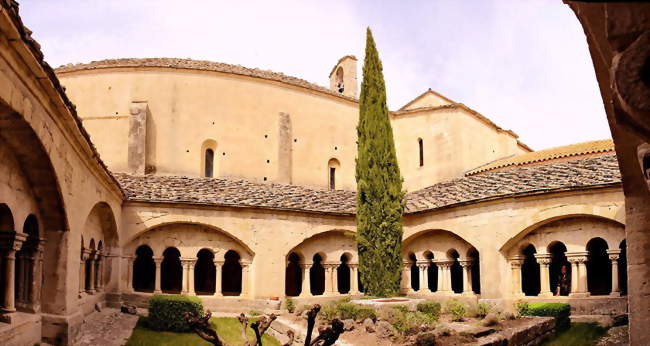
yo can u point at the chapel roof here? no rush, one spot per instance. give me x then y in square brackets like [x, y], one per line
[199, 65]
[535, 157]
[583, 173]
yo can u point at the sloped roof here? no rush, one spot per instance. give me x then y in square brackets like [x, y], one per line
[201, 65]
[589, 172]
[424, 94]
[578, 149]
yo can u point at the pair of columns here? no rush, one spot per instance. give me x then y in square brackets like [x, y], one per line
[94, 260]
[444, 276]
[578, 262]
[331, 279]
[29, 269]
[187, 277]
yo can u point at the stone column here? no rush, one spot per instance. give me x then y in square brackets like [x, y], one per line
[335, 279]
[37, 270]
[406, 278]
[441, 277]
[158, 261]
[467, 277]
[447, 277]
[85, 254]
[20, 270]
[98, 272]
[218, 267]
[306, 286]
[10, 267]
[515, 265]
[613, 257]
[354, 279]
[424, 276]
[244, 278]
[91, 278]
[329, 287]
[190, 277]
[544, 261]
[574, 276]
[129, 273]
[185, 264]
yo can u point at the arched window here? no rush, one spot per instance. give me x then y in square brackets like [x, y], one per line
[293, 276]
[599, 272]
[209, 163]
[343, 275]
[456, 272]
[340, 86]
[421, 147]
[415, 272]
[530, 283]
[333, 166]
[204, 273]
[559, 261]
[231, 274]
[317, 276]
[432, 272]
[171, 271]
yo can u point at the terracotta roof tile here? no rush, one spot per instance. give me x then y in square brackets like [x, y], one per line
[593, 147]
[203, 65]
[552, 177]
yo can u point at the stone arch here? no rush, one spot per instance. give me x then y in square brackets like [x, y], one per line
[6, 219]
[144, 270]
[432, 270]
[231, 279]
[599, 271]
[176, 221]
[530, 271]
[474, 256]
[437, 241]
[171, 271]
[317, 275]
[330, 245]
[415, 271]
[205, 272]
[293, 275]
[558, 251]
[343, 273]
[456, 271]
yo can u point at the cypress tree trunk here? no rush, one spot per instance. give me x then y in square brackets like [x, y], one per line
[379, 185]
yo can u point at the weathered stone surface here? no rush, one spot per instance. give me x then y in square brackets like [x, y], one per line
[385, 329]
[369, 325]
[490, 320]
[129, 309]
[348, 324]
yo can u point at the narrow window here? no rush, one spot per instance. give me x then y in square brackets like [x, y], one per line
[646, 166]
[209, 163]
[421, 145]
[332, 178]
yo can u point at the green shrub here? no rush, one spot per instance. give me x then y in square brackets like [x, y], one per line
[560, 311]
[456, 309]
[483, 309]
[254, 312]
[430, 308]
[343, 310]
[407, 322]
[291, 305]
[166, 312]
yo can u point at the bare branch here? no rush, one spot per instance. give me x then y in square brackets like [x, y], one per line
[291, 336]
[261, 326]
[201, 326]
[244, 323]
[328, 336]
[311, 321]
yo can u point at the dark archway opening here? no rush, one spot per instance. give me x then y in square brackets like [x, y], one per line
[171, 271]
[432, 273]
[144, 270]
[204, 273]
[622, 268]
[317, 276]
[88, 265]
[559, 260]
[473, 255]
[415, 273]
[530, 280]
[25, 262]
[599, 270]
[456, 273]
[232, 274]
[343, 275]
[293, 276]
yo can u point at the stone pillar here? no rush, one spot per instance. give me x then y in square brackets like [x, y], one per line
[574, 276]
[306, 287]
[582, 283]
[91, 279]
[424, 276]
[98, 272]
[329, 287]
[613, 257]
[218, 267]
[515, 265]
[10, 267]
[441, 277]
[544, 261]
[447, 277]
[467, 277]
[354, 279]
[137, 138]
[82, 270]
[244, 278]
[129, 273]
[406, 278]
[37, 270]
[185, 264]
[335, 279]
[158, 261]
[190, 277]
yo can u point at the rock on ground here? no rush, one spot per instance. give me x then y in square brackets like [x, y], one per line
[369, 325]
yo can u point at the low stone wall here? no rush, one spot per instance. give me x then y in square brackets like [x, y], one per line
[530, 334]
[599, 305]
[225, 304]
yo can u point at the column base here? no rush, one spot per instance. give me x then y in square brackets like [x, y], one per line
[6, 316]
[157, 292]
[306, 295]
[217, 295]
[470, 293]
[545, 294]
[615, 294]
[579, 295]
[91, 291]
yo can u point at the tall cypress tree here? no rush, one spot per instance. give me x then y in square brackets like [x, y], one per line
[379, 185]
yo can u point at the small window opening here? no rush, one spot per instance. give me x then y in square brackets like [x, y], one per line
[421, 145]
[332, 178]
[646, 166]
[339, 80]
[209, 163]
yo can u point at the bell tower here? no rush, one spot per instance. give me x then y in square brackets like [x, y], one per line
[343, 78]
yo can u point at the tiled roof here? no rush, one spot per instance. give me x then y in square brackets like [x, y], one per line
[202, 65]
[586, 148]
[552, 177]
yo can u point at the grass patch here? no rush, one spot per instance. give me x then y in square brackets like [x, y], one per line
[229, 329]
[579, 334]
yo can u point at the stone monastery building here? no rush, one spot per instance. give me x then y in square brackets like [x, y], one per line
[128, 177]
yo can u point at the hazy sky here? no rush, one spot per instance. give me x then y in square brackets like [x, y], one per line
[522, 63]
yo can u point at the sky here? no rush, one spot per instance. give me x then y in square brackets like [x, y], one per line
[524, 64]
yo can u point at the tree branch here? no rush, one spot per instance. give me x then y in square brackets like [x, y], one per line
[311, 321]
[261, 326]
[328, 336]
[201, 326]
[244, 323]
